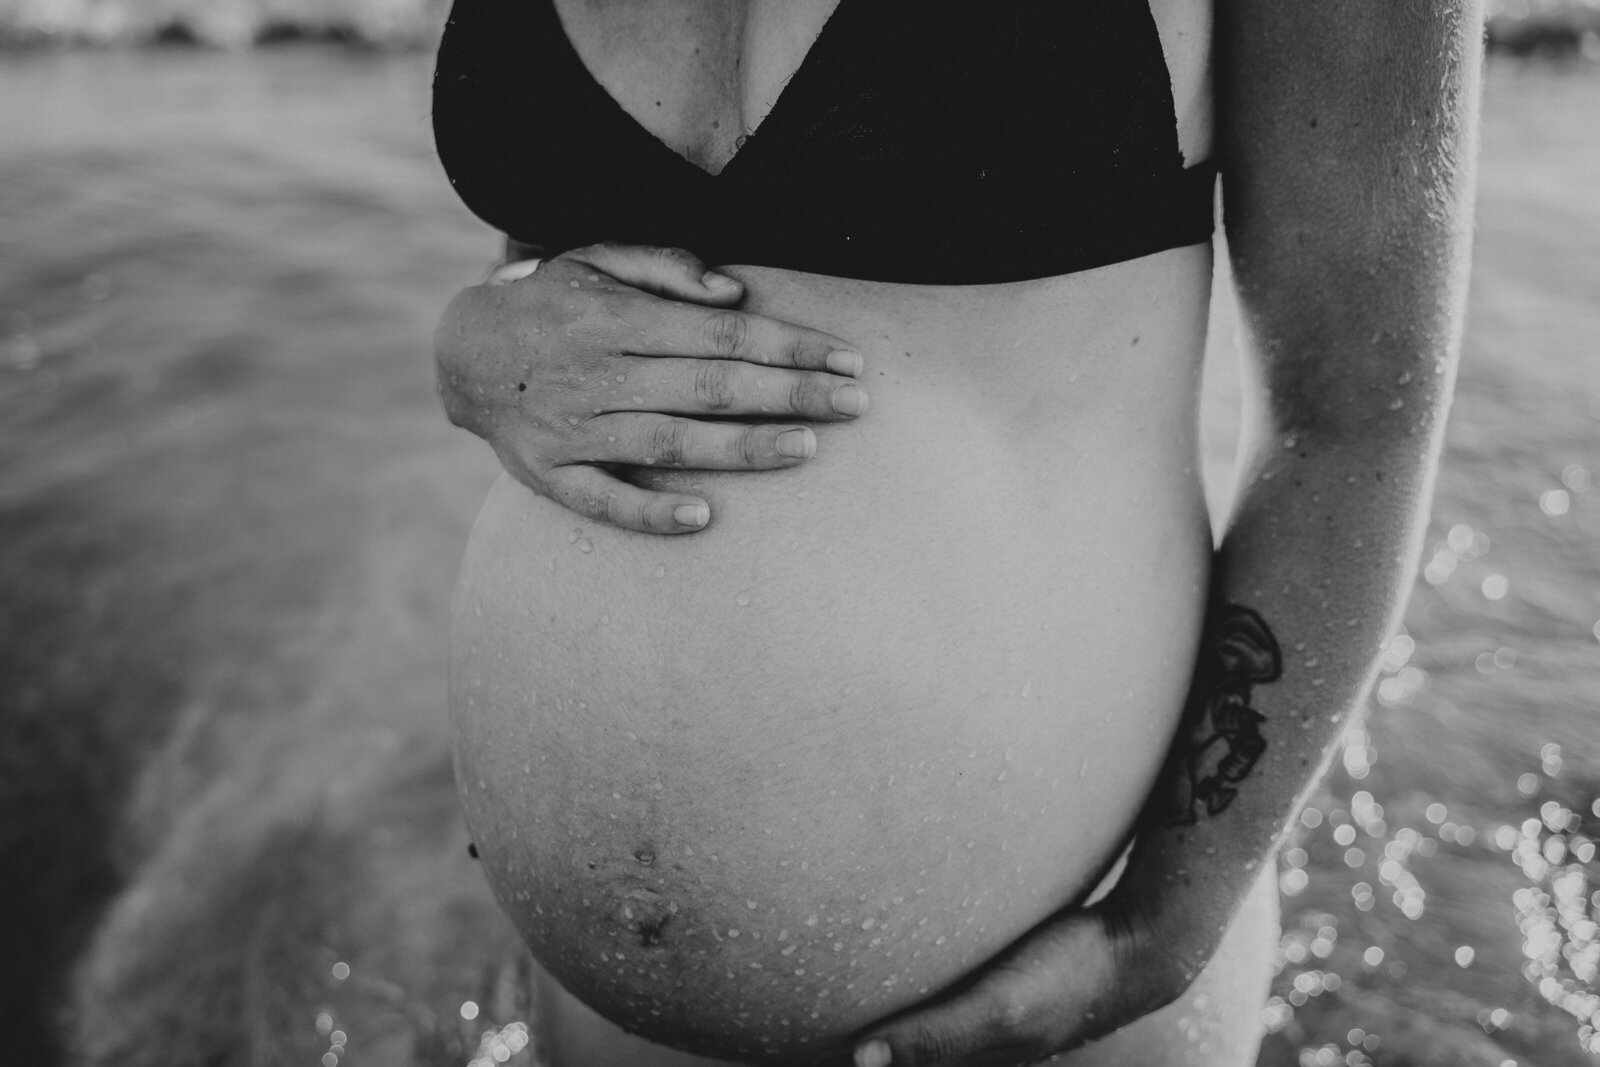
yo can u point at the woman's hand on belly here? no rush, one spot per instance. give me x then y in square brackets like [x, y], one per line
[1078, 977]
[593, 361]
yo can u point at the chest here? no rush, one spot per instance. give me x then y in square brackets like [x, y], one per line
[702, 75]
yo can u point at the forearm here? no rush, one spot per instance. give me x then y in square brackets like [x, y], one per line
[1310, 579]
[1348, 139]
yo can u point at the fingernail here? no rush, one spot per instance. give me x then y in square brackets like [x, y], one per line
[692, 514]
[797, 444]
[849, 400]
[846, 362]
[718, 283]
[874, 1053]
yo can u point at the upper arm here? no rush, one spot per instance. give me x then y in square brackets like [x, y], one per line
[1347, 130]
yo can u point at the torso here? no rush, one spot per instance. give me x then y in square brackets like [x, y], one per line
[753, 788]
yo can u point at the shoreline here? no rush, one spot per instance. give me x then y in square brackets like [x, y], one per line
[1558, 29]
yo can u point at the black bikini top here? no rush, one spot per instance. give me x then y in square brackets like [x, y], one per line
[941, 142]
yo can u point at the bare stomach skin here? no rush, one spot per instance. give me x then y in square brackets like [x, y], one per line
[748, 790]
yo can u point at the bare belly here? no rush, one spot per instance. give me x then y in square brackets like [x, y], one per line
[748, 790]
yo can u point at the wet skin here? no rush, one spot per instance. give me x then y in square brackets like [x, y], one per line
[749, 790]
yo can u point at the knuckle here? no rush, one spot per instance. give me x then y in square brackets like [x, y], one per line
[930, 1045]
[1009, 1015]
[792, 351]
[727, 332]
[628, 513]
[672, 258]
[648, 518]
[713, 385]
[750, 446]
[804, 394]
[592, 502]
[669, 442]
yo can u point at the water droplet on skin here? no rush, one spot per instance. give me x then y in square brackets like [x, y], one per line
[1405, 378]
[742, 600]
[585, 545]
[1396, 404]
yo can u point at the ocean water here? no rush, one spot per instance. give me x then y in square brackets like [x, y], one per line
[230, 512]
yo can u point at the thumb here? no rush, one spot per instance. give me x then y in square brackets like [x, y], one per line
[667, 272]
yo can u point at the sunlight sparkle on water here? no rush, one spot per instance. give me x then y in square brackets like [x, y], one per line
[499, 1046]
[1555, 502]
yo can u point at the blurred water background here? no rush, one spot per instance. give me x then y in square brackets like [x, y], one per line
[230, 513]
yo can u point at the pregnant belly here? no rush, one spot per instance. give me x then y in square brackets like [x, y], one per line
[746, 791]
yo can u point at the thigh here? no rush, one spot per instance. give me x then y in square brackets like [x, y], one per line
[1217, 1023]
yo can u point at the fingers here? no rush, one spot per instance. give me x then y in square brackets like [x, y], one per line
[666, 272]
[651, 440]
[718, 333]
[727, 334]
[730, 388]
[1051, 992]
[598, 495]
[971, 1029]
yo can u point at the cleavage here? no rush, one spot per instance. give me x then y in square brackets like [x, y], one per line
[700, 76]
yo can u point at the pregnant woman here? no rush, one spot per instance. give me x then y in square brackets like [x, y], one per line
[839, 768]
